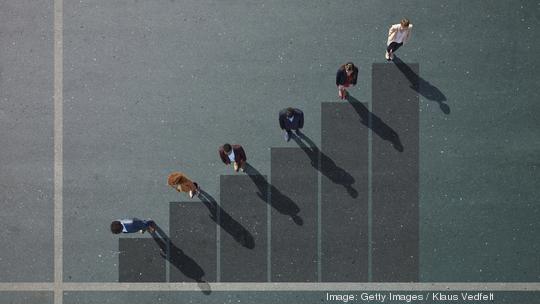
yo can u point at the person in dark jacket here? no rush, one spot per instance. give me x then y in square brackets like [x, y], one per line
[291, 119]
[132, 225]
[346, 76]
[233, 154]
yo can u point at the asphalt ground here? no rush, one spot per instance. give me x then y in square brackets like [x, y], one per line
[151, 87]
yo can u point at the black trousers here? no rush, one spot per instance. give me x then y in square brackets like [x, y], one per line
[393, 47]
[289, 130]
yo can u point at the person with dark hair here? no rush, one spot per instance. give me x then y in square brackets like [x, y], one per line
[182, 183]
[347, 75]
[133, 225]
[291, 119]
[398, 34]
[234, 154]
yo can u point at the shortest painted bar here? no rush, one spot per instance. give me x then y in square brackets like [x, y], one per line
[140, 261]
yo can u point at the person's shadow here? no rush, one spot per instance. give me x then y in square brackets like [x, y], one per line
[422, 86]
[328, 167]
[282, 203]
[180, 260]
[377, 125]
[225, 221]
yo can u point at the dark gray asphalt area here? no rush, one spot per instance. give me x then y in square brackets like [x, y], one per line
[152, 87]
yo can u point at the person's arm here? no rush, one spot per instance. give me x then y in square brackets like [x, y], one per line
[282, 120]
[393, 29]
[355, 76]
[223, 157]
[408, 36]
[242, 153]
[392, 33]
[339, 77]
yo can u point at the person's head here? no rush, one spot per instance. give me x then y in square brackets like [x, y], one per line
[404, 23]
[349, 68]
[227, 148]
[290, 112]
[116, 227]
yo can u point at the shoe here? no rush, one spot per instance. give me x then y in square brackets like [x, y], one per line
[387, 56]
[191, 194]
[152, 227]
[391, 55]
[287, 136]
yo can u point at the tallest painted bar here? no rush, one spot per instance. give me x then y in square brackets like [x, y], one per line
[395, 166]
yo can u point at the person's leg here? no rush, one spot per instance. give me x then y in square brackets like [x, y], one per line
[298, 133]
[148, 225]
[341, 91]
[236, 166]
[196, 190]
[240, 165]
[151, 226]
[392, 48]
[287, 134]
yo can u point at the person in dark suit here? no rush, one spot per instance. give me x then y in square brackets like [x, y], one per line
[347, 75]
[233, 154]
[291, 119]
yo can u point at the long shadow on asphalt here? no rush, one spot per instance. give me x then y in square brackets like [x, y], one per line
[328, 167]
[376, 124]
[225, 221]
[180, 260]
[422, 86]
[280, 202]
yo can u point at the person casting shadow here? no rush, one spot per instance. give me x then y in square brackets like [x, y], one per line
[422, 86]
[328, 167]
[282, 203]
[180, 260]
[377, 125]
[225, 221]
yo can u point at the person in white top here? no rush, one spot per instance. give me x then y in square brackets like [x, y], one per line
[398, 34]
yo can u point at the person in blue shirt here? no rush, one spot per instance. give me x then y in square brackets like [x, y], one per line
[132, 226]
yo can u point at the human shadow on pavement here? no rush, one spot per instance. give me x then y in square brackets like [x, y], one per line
[225, 221]
[377, 125]
[187, 265]
[282, 203]
[422, 86]
[327, 167]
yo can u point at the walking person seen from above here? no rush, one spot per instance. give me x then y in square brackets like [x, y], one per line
[291, 119]
[398, 35]
[133, 225]
[182, 183]
[346, 76]
[234, 154]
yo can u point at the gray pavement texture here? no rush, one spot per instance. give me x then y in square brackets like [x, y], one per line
[26, 146]
[10, 297]
[152, 87]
